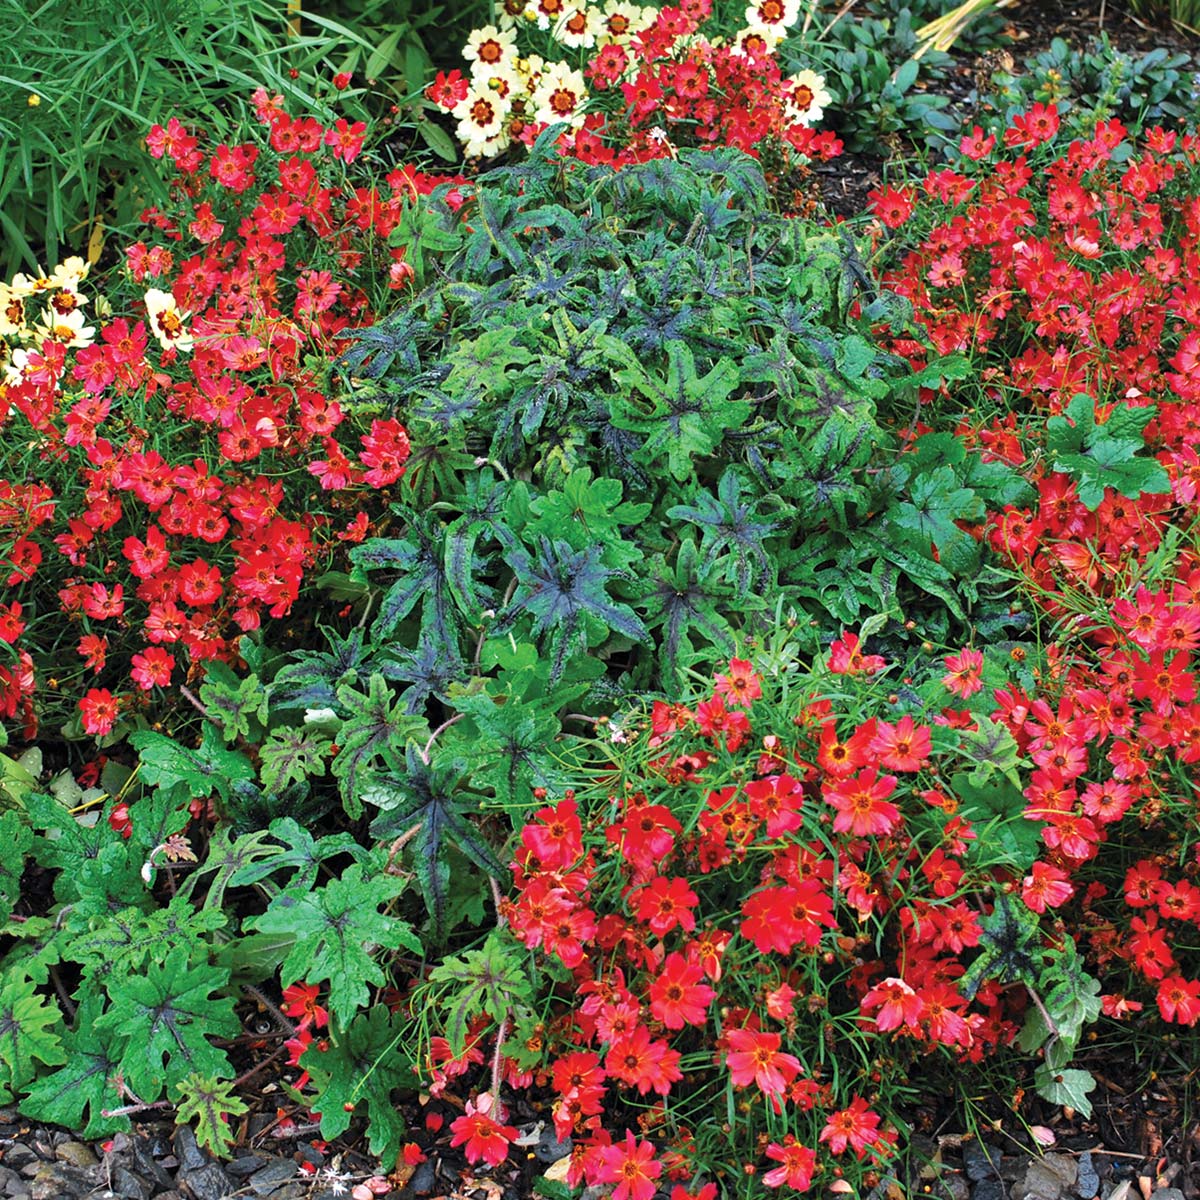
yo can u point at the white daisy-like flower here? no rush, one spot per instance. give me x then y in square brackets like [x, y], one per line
[621, 21]
[545, 13]
[529, 71]
[807, 98]
[773, 14]
[560, 96]
[69, 328]
[503, 81]
[510, 14]
[578, 26]
[69, 274]
[167, 322]
[480, 115]
[755, 41]
[488, 48]
[12, 313]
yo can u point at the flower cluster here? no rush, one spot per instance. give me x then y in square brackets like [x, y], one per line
[717, 925]
[632, 83]
[186, 446]
[1071, 271]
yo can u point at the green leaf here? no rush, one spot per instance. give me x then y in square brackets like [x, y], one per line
[87, 1083]
[1010, 948]
[685, 415]
[165, 1018]
[336, 929]
[732, 527]
[935, 503]
[16, 838]
[375, 723]
[426, 804]
[301, 852]
[561, 588]
[210, 1103]
[1102, 456]
[30, 1032]
[358, 1074]
[200, 772]
[290, 755]
[1068, 1087]
[125, 941]
[233, 703]
[492, 980]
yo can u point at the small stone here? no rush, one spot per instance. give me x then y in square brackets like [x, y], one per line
[244, 1167]
[129, 1186]
[549, 1149]
[951, 1186]
[980, 1161]
[272, 1177]
[191, 1157]
[149, 1167]
[75, 1153]
[1088, 1183]
[1045, 1178]
[58, 1181]
[423, 1180]
[207, 1183]
[1065, 1166]
[988, 1189]
[17, 1155]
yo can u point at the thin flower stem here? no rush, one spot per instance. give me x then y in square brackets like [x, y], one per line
[271, 1007]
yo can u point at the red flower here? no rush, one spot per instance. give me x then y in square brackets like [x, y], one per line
[754, 1057]
[1179, 1000]
[862, 804]
[664, 904]
[483, 1138]
[845, 658]
[677, 996]
[897, 1003]
[632, 1167]
[964, 673]
[799, 1164]
[98, 711]
[855, 1127]
[300, 1000]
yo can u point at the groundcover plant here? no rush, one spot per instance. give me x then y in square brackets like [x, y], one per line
[576, 636]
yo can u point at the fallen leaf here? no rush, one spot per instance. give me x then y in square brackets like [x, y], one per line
[556, 1172]
[1042, 1135]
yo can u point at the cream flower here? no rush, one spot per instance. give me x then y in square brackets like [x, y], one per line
[578, 26]
[510, 14]
[807, 98]
[621, 21]
[545, 13]
[68, 328]
[480, 113]
[14, 369]
[12, 313]
[69, 274]
[560, 96]
[756, 41]
[488, 48]
[166, 321]
[773, 14]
